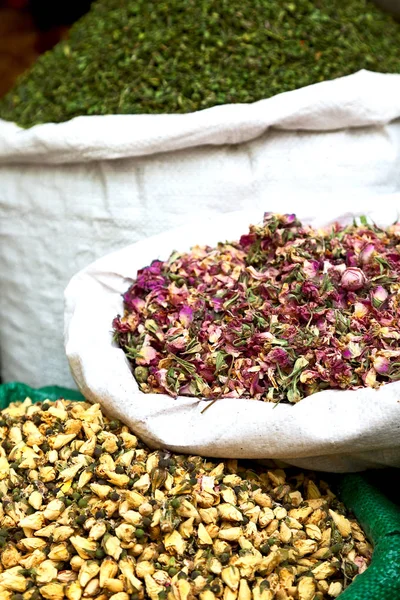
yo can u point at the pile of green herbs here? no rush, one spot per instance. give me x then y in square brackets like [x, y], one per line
[140, 56]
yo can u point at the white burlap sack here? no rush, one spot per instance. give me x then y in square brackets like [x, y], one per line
[331, 430]
[70, 193]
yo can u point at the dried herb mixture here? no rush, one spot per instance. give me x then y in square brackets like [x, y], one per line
[88, 511]
[283, 313]
[141, 56]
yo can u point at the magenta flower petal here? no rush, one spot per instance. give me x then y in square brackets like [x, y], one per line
[186, 315]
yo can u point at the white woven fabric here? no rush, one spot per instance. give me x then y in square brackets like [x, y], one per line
[70, 193]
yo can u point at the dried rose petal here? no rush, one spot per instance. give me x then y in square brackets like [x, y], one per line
[366, 254]
[146, 355]
[310, 268]
[381, 365]
[186, 315]
[360, 310]
[379, 296]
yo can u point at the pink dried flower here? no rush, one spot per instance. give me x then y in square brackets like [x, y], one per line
[379, 296]
[310, 290]
[366, 254]
[381, 365]
[279, 315]
[177, 339]
[353, 278]
[146, 355]
[186, 315]
[360, 310]
[150, 278]
[119, 326]
[247, 240]
[310, 268]
[361, 563]
[352, 351]
[279, 356]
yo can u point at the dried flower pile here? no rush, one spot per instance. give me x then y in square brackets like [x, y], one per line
[87, 511]
[285, 312]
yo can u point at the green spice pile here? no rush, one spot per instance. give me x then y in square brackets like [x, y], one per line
[285, 312]
[136, 56]
[87, 511]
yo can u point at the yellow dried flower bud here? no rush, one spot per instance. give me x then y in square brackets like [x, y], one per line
[229, 594]
[341, 523]
[231, 576]
[76, 563]
[125, 532]
[186, 528]
[144, 568]
[10, 556]
[53, 510]
[61, 440]
[46, 572]
[97, 530]
[228, 512]
[47, 474]
[52, 591]
[203, 535]
[265, 517]
[323, 570]
[304, 547]
[62, 533]
[12, 580]
[34, 521]
[244, 590]
[88, 571]
[230, 534]
[116, 479]
[306, 588]
[153, 588]
[174, 543]
[127, 566]
[114, 585]
[35, 500]
[108, 570]
[335, 589]
[112, 546]
[92, 588]
[145, 509]
[101, 491]
[83, 546]
[119, 596]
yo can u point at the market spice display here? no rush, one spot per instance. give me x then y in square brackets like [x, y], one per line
[283, 313]
[137, 56]
[89, 511]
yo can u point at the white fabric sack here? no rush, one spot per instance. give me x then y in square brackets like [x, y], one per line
[331, 430]
[70, 193]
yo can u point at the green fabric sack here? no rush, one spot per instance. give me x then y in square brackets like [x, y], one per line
[379, 517]
[14, 392]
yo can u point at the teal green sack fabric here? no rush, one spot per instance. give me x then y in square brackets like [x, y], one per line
[379, 517]
[14, 392]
